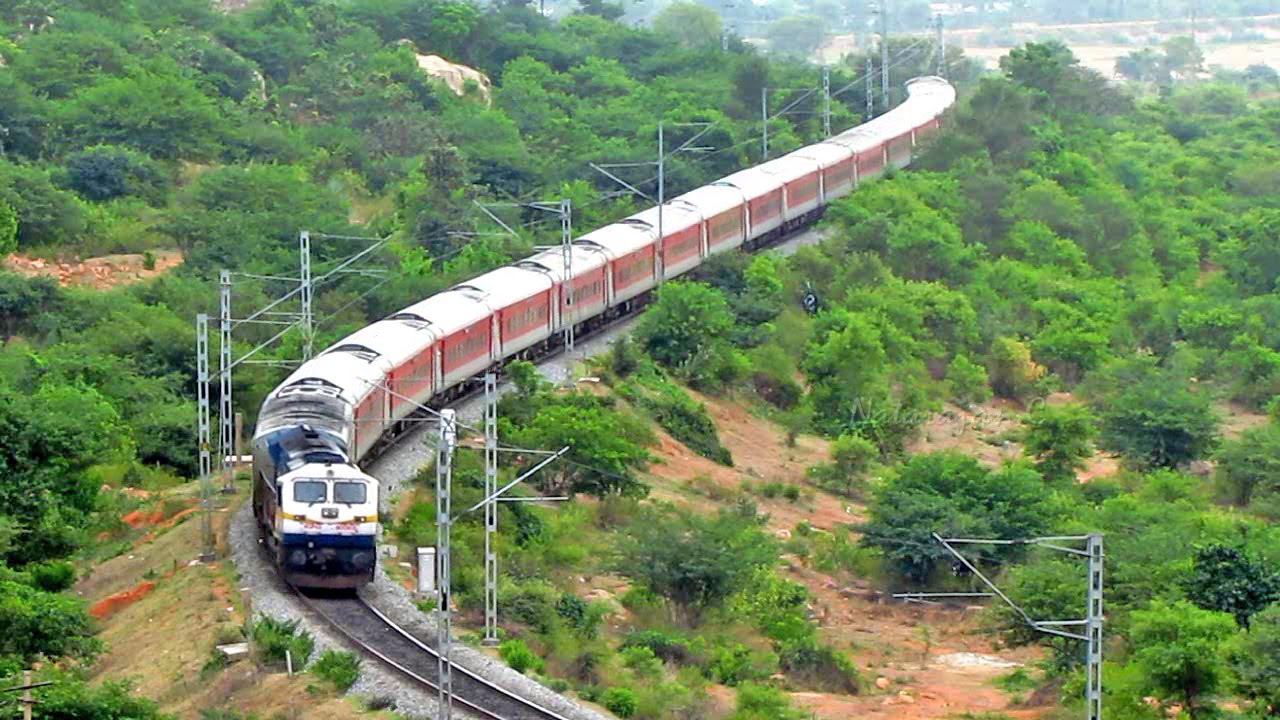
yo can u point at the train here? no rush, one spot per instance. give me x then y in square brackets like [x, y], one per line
[318, 512]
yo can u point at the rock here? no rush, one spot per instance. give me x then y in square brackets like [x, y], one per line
[883, 683]
[783, 534]
[390, 551]
[906, 698]
[457, 77]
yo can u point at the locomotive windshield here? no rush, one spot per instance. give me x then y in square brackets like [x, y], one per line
[350, 493]
[310, 491]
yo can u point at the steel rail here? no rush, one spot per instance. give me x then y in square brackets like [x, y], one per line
[528, 709]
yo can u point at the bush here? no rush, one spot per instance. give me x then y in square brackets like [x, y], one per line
[819, 667]
[737, 663]
[1012, 372]
[53, 576]
[968, 381]
[340, 668]
[46, 215]
[663, 645]
[518, 655]
[274, 638]
[683, 417]
[106, 172]
[620, 701]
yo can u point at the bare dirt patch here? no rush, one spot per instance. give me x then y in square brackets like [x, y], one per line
[100, 273]
[986, 432]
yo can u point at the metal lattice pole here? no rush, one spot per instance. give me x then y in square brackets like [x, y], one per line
[226, 413]
[444, 520]
[764, 123]
[566, 252]
[203, 432]
[305, 288]
[1093, 630]
[490, 509]
[826, 101]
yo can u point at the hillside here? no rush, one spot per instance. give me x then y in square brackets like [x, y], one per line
[1060, 320]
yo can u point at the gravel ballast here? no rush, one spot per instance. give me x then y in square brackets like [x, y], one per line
[268, 596]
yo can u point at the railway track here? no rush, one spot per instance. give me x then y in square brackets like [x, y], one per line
[379, 638]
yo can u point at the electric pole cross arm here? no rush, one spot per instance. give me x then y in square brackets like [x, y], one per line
[1092, 622]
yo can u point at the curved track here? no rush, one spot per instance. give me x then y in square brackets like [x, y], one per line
[381, 639]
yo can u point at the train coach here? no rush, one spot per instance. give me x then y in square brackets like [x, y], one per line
[318, 512]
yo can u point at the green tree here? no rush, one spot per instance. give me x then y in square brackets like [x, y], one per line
[605, 447]
[690, 24]
[1151, 418]
[968, 381]
[42, 624]
[694, 561]
[8, 229]
[1180, 650]
[1011, 370]
[952, 495]
[686, 317]
[47, 216]
[1183, 56]
[1252, 257]
[162, 115]
[1250, 464]
[1226, 579]
[1255, 658]
[797, 34]
[1059, 439]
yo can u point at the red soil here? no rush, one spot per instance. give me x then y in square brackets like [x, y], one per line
[113, 603]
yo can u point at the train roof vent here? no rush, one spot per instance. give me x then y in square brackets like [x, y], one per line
[470, 291]
[364, 352]
[413, 320]
[311, 386]
[588, 245]
[637, 223]
[533, 265]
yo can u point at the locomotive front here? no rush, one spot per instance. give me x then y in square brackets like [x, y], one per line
[327, 526]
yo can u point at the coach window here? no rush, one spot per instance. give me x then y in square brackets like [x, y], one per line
[350, 493]
[310, 491]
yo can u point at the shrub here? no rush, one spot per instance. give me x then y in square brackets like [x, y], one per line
[668, 647]
[340, 668]
[737, 663]
[518, 655]
[53, 576]
[105, 172]
[819, 667]
[533, 603]
[1011, 370]
[642, 662]
[620, 701]
[274, 638]
[968, 382]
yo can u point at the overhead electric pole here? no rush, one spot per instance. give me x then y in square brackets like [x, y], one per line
[566, 252]
[884, 53]
[942, 48]
[764, 123]
[305, 287]
[490, 509]
[870, 88]
[445, 443]
[1092, 622]
[226, 413]
[204, 430]
[826, 101]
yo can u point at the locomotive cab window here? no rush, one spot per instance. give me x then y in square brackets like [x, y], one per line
[350, 493]
[310, 491]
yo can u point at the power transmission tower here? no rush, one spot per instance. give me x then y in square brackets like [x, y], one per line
[305, 288]
[1092, 621]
